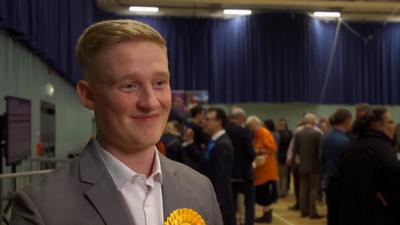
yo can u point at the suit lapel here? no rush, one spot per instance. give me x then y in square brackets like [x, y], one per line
[171, 200]
[171, 187]
[108, 202]
[103, 195]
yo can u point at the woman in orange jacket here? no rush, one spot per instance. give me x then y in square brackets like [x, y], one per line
[266, 168]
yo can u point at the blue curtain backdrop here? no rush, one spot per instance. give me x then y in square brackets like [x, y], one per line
[274, 57]
[50, 28]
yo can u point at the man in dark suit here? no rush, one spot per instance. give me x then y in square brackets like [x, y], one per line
[218, 161]
[242, 172]
[120, 178]
[196, 123]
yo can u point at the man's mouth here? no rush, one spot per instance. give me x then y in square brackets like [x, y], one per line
[146, 117]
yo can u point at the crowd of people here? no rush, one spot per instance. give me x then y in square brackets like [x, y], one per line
[351, 164]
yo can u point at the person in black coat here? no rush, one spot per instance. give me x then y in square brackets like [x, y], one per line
[361, 110]
[242, 172]
[216, 161]
[285, 136]
[172, 141]
[370, 173]
[196, 123]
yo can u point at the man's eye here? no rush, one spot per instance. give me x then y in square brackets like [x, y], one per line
[160, 83]
[129, 87]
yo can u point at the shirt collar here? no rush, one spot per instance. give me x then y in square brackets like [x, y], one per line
[304, 126]
[122, 174]
[337, 130]
[218, 135]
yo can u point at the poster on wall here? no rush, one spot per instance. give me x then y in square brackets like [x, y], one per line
[183, 101]
[179, 100]
[196, 97]
[178, 110]
[18, 130]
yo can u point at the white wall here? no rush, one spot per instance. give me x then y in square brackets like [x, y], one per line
[23, 74]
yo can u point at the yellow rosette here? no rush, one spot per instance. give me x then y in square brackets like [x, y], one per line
[184, 216]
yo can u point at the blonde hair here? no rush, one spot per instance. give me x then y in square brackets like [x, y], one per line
[110, 32]
[237, 112]
[254, 120]
[310, 118]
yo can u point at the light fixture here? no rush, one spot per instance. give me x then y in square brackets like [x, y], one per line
[327, 14]
[49, 89]
[143, 9]
[237, 11]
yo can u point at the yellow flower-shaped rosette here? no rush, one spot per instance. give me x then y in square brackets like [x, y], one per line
[184, 216]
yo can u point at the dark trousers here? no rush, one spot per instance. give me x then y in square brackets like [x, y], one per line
[247, 188]
[283, 174]
[227, 215]
[333, 201]
[309, 183]
[296, 180]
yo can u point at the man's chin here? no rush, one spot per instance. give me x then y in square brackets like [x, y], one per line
[139, 147]
[149, 144]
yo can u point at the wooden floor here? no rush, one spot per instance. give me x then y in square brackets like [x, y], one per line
[283, 216]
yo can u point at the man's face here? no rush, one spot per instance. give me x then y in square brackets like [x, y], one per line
[348, 124]
[324, 127]
[281, 126]
[388, 125]
[361, 113]
[132, 95]
[212, 125]
[201, 117]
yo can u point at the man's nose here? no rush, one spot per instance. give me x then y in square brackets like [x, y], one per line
[147, 99]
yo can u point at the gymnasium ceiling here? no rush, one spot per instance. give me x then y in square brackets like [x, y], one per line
[351, 10]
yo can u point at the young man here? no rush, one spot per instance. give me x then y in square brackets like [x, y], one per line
[119, 178]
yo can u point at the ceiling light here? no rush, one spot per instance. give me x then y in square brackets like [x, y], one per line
[49, 89]
[143, 9]
[327, 14]
[237, 11]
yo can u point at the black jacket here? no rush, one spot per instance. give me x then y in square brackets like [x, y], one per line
[244, 153]
[284, 141]
[173, 147]
[370, 166]
[200, 138]
[218, 168]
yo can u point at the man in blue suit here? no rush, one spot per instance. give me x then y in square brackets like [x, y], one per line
[218, 161]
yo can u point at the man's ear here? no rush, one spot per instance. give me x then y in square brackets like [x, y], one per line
[85, 94]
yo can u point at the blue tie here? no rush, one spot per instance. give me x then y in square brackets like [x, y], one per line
[210, 147]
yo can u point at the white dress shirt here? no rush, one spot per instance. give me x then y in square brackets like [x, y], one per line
[143, 195]
[218, 135]
[213, 138]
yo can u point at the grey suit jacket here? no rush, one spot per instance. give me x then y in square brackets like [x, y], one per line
[82, 192]
[307, 144]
